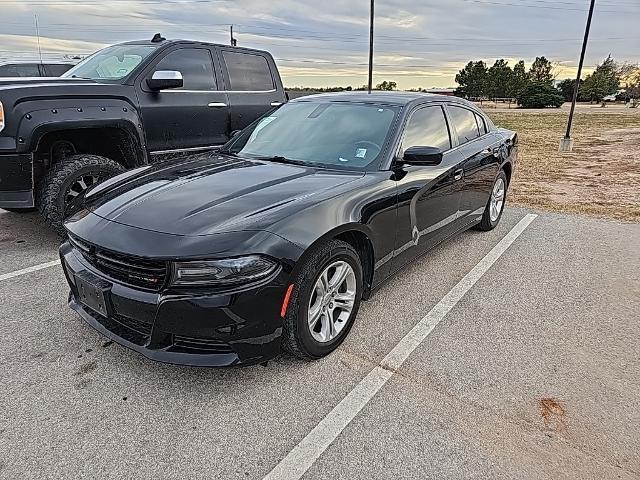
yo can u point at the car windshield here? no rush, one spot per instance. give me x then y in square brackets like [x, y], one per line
[337, 134]
[111, 63]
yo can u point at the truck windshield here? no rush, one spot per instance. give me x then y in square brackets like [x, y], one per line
[111, 63]
[332, 134]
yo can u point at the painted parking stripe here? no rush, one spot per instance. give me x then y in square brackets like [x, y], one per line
[302, 457]
[35, 268]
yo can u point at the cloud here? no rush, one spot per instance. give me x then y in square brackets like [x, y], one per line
[420, 43]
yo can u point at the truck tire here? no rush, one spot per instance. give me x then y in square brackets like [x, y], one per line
[67, 179]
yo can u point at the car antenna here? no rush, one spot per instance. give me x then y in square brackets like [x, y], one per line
[157, 38]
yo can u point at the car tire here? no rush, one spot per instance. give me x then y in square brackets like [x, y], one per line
[63, 177]
[492, 212]
[298, 337]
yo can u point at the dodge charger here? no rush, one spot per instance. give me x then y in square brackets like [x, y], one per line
[270, 243]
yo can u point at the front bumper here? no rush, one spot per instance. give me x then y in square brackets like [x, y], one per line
[241, 327]
[16, 180]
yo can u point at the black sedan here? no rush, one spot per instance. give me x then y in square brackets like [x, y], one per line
[225, 258]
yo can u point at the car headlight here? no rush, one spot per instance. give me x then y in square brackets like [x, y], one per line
[229, 271]
[1, 117]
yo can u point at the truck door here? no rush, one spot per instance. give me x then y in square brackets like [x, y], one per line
[253, 85]
[191, 117]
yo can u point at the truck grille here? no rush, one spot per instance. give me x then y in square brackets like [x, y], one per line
[140, 272]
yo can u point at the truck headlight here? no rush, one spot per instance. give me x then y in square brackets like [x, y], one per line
[229, 271]
[1, 117]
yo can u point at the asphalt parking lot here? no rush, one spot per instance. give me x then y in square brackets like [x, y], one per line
[534, 373]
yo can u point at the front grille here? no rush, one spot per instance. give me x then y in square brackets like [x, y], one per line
[140, 272]
[200, 345]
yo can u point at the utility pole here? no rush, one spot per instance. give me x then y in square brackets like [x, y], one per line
[234, 42]
[35, 17]
[566, 144]
[371, 47]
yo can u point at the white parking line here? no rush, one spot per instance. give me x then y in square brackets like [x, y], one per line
[299, 460]
[35, 268]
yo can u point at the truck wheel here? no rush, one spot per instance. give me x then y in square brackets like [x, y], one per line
[67, 179]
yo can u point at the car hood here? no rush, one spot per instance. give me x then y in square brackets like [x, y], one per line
[212, 193]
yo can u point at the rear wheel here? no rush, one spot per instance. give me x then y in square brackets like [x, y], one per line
[495, 205]
[66, 181]
[324, 302]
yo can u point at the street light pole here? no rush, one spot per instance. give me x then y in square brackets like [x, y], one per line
[371, 47]
[566, 144]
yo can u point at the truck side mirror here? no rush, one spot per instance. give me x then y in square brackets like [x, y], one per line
[165, 79]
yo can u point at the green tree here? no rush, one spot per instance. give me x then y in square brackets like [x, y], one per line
[387, 86]
[566, 89]
[472, 79]
[541, 71]
[499, 80]
[539, 95]
[605, 80]
[519, 79]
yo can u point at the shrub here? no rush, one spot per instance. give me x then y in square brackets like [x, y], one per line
[540, 95]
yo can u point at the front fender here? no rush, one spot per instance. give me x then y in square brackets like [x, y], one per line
[370, 209]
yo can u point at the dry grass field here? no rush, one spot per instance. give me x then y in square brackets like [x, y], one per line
[600, 177]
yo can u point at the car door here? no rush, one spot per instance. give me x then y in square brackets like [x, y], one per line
[480, 151]
[253, 85]
[194, 116]
[428, 196]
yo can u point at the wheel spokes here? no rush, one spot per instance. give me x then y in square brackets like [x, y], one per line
[314, 315]
[332, 301]
[339, 276]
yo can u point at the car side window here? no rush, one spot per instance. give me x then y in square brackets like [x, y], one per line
[465, 122]
[55, 70]
[427, 127]
[482, 125]
[194, 64]
[248, 72]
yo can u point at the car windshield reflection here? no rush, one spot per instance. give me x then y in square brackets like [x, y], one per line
[330, 134]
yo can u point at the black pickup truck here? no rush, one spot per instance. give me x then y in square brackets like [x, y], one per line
[125, 106]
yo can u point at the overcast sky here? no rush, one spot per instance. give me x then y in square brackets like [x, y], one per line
[419, 43]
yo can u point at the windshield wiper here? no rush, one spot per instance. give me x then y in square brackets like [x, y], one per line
[280, 159]
[227, 152]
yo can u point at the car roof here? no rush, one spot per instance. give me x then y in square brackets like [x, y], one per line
[166, 42]
[387, 98]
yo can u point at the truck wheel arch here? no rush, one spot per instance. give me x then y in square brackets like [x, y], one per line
[82, 117]
[116, 140]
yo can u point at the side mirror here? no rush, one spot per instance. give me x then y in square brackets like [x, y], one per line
[423, 156]
[165, 79]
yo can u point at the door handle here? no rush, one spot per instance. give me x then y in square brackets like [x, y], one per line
[276, 104]
[217, 105]
[457, 175]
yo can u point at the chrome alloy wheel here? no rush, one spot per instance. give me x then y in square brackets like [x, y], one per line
[497, 200]
[332, 301]
[80, 184]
